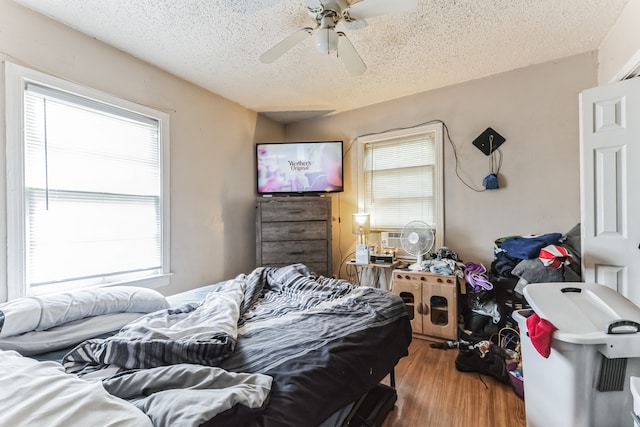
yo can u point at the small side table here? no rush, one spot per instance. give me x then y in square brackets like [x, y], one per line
[381, 273]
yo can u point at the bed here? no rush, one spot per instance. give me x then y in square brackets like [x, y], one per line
[274, 347]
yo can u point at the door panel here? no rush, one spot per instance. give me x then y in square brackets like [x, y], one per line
[609, 175]
[612, 276]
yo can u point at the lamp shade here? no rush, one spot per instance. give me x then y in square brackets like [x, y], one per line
[326, 40]
[360, 223]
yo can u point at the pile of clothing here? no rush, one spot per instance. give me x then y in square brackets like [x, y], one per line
[541, 258]
[484, 317]
[444, 261]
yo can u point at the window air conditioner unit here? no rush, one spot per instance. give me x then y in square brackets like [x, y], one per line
[390, 240]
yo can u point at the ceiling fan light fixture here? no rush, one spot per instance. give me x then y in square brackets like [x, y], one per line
[326, 40]
[329, 13]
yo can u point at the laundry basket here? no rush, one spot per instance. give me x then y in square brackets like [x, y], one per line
[635, 394]
[594, 351]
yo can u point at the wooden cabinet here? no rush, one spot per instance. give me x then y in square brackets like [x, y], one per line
[431, 301]
[294, 229]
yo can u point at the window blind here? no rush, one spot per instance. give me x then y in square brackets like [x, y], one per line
[93, 190]
[399, 180]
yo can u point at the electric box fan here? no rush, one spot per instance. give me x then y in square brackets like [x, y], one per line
[417, 239]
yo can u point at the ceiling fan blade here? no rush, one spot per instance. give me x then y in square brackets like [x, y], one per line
[369, 8]
[349, 56]
[288, 43]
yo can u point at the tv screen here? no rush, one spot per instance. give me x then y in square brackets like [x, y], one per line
[299, 167]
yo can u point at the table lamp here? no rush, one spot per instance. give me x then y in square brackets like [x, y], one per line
[360, 226]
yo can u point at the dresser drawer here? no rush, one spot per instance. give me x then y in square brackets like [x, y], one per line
[294, 210]
[295, 230]
[319, 268]
[289, 252]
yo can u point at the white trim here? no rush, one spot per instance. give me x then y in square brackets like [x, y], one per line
[155, 281]
[166, 198]
[14, 106]
[436, 128]
[439, 186]
[16, 77]
[628, 70]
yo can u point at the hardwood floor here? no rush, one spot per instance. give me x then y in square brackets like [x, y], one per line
[432, 393]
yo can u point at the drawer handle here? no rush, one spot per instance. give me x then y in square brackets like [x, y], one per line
[296, 253]
[294, 231]
[295, 211]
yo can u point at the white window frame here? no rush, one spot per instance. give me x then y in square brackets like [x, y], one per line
[16, 78]
[437, 130]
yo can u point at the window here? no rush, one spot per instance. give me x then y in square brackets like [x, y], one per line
[401, 178]
[88, 199]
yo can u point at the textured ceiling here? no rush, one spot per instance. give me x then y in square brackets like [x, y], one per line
[216, 44]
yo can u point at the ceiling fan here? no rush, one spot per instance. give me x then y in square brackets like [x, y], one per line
[327, 14]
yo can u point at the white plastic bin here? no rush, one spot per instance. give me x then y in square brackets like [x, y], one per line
[634, 383]
[585, 381]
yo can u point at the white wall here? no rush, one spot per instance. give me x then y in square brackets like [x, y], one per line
[534, 108]
[212, 140]
[620, 50]
[212, 177]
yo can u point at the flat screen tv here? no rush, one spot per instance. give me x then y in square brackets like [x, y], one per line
[298, 168]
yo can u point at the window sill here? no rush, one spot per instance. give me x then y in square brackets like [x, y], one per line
[153, 282]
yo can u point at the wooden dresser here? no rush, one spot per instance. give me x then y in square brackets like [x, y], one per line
[294, 229]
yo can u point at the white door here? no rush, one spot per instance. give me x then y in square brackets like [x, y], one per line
[610, 186]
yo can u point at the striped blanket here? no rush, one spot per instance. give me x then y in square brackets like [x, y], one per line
[322, 340]
[200, 333]
[325, 342]
[297, 314]
[261, 304]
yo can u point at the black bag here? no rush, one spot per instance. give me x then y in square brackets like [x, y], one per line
[485, 358]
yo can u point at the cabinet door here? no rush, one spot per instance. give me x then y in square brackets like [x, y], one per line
[411, 294]
[439, 302]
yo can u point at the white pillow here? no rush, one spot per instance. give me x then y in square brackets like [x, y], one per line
[40, 313]
[42, 394]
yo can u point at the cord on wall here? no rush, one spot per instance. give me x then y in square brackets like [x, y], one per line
[458, 168]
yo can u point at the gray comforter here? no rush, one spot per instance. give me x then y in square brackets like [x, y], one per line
[188, 395]
[280, 323]
[165, 362]
[201, 333]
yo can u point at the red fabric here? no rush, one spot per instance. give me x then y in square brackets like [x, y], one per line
[555, 256]
[541, 334]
